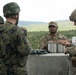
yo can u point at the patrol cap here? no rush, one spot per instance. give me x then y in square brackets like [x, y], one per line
[1, 20]
[72, 17]
[11, 8]
[53, 23]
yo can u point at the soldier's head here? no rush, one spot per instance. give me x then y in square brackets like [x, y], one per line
[72, 17]
[11, 10]
[53, 26]
[24, 30]
[1, 20]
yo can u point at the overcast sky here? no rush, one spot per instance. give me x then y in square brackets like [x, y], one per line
[43, 10]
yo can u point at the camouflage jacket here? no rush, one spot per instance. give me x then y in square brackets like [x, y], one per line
[72, 53]
[48, 37]
[71, 50]
[16, 47]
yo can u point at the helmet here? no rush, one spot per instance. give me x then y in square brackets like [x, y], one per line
[11, 9]
[1, 20]
[73, 16]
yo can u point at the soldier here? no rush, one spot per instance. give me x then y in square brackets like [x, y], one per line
[71, 49]
[52, 36]
[1, 20]
[13, 43]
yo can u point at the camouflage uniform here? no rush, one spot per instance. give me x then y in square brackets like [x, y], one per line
[15, 46]
[20, 45]
[44, 40]
[72, 49]
[1, 20]
[2, 66]
[72, 59]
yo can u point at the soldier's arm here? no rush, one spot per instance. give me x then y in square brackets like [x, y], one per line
[43, 43]
[62, 40]
[23, 46]
[71, 50]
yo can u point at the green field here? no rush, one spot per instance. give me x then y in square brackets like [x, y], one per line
[63, 25]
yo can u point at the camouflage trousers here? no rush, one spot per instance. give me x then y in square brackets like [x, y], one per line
[20, 70]
[72, 70]
[15, 70]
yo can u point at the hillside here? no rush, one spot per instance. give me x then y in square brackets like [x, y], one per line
[37, 22]
[43, 26]
[29, 22]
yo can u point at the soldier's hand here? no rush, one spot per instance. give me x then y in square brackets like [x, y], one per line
[64, 42]
[67, 43]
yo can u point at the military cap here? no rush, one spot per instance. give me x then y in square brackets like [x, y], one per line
[53, 23]
[72, 17]
[11, 9]
[1, 20]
